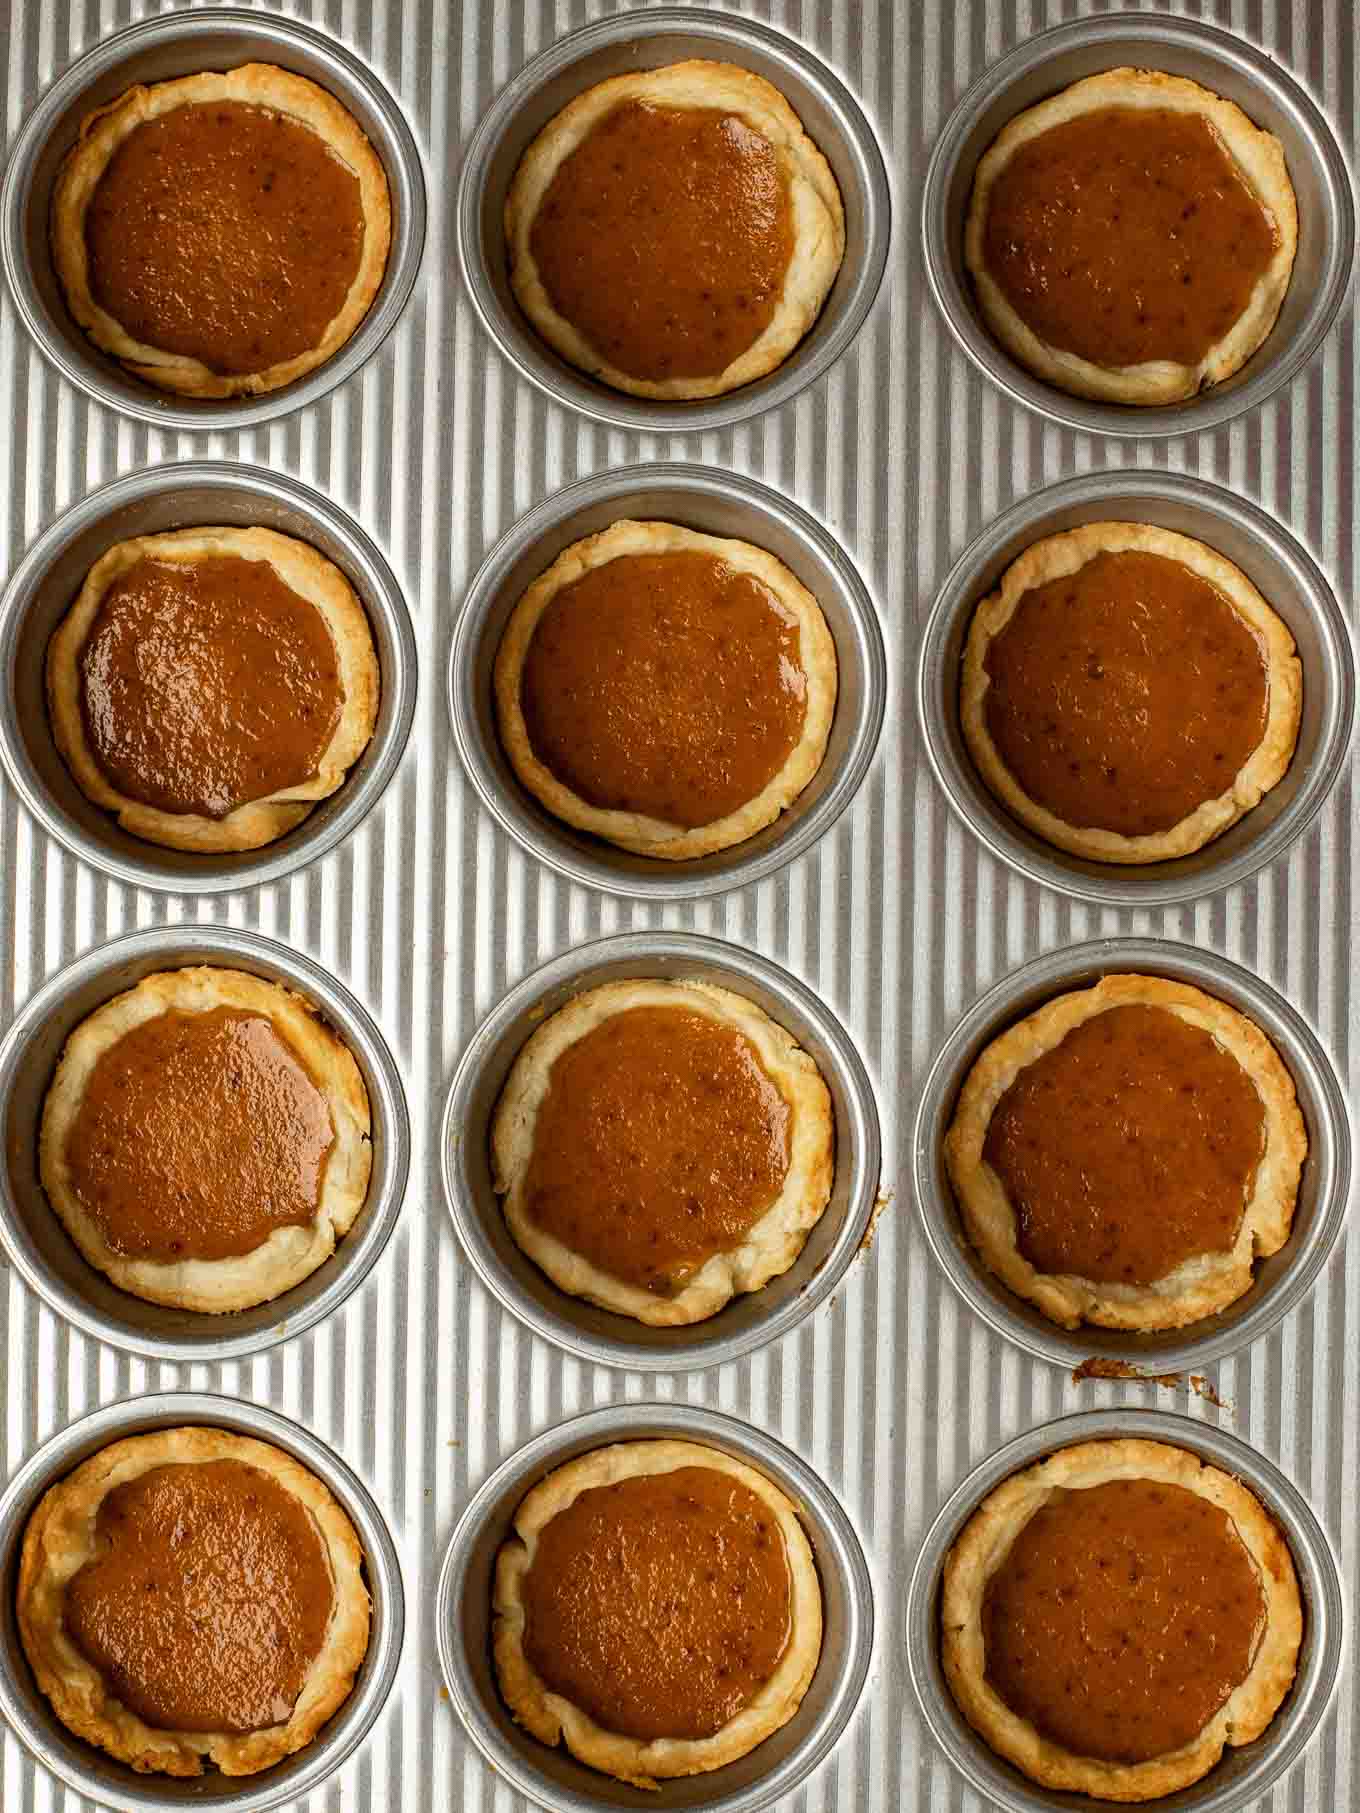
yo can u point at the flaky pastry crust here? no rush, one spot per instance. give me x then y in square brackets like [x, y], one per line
[256, 85]
[1260, 158]
[1055, 557]
[260, 821]
[61, 1538]
[635, 831]
[554, 1720]
[987, 1539]
[814, 197]
[288, 1254]
[771, 1245]
[1198, 1287]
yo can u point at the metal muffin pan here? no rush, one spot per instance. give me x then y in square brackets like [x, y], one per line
[552, 1777]
[39, 1247]
[1280, 1282]
[1242, 1775]
[714, 502]
[206, 493]
[1286, 576]
[628, 42]
[86, 1769]
[156, 50]
[1229, 66]
[748, 1321]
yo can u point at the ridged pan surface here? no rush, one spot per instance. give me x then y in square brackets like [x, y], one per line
[892, 1390]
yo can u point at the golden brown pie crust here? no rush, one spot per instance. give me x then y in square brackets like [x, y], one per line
[1199, 1287]
[60, 1539]
[289, 1254]
[256, 85]
[260, 821]
[818, 216]
[632, 830]
[554, 1720]
[775, 1241]
[1260, 158]
[983, 1546]
[1058, 555]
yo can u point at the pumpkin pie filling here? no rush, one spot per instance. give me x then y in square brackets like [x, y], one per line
[659, 1605]
[664, 239]
[1127, 235]
[1128, 1148]
[667, 684]
[661, 1141]
[227, 233]
[1122, 1618]
[197, 1136]
[1124, 695]
[207, 1600]
[205, 684]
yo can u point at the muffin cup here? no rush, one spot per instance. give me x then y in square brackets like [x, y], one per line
[1280, 1282]
[623, 44]
[205, 493]
[1242, 1774]
[155, 50]
[88, 1770]
[1230, 67]
[749, 1320]
[44, 1253]
[551, 1777]
[715, 503]
[1287, 578]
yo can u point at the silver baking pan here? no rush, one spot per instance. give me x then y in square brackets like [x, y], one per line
[85, 1769]
[629, 41]
[1228, 65]
[191, 494]
[748, 1321]
[715, 503]
[38, 1246]
[1281, 1282]
[551, 1777]
[155, 50]
[1287, 577]
[1242, 1775]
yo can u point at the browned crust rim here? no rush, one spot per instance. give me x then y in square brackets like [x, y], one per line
[59, 1540]
[987, 1539]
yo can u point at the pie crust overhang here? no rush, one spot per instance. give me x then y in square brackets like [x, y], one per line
[815, 200]
[60, 1539]
[1054, 557]
[770, 1246]
[634, 831]
[554, 1720]
[260, 821]
[1198, 1287]
[252, 84]
[1260, 158]
[983, 1546]
[288, 1254]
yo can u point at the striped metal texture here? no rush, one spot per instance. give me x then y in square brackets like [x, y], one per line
[891, 1391]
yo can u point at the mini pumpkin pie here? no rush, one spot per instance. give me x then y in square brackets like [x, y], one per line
[193, 1594]
[657, 1610]
[205, 1139]
[1127, 692]
[1124, 1154]
[674, 232]
[1116, 1615]
[1131, 238]
[221, 234]
[668, 691]
[209, 686]
[662, 1146]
